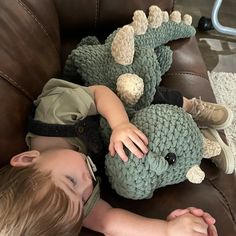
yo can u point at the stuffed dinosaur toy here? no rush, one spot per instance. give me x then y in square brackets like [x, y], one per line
[131, 62]
[134, 54]
[176, 148]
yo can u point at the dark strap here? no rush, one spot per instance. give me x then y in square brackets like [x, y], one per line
[87, 130]
[51, 130]
[95, 196]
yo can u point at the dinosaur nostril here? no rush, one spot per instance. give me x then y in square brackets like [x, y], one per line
[171, 158]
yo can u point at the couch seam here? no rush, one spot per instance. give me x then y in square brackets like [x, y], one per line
[185, 73]
[38, 22]
[173, 6]
[96, 14]
[225, 199]
[15, 84]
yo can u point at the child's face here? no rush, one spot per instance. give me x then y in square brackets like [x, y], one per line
[69, 171]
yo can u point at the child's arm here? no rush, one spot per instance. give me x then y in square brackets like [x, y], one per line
[117, 222]
[124, 133]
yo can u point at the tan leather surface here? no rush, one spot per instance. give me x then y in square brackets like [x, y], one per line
[37, 35]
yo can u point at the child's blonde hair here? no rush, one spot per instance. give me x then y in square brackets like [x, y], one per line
[32, 205]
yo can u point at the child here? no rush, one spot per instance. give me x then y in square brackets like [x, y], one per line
[51, 189]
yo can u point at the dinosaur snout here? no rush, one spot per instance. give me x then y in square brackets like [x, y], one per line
[130, 88]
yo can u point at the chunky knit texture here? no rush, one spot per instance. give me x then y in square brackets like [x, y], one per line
[139, 48]
[138, 52]
[169, 130]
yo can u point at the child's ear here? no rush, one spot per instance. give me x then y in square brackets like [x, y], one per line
[25, 158]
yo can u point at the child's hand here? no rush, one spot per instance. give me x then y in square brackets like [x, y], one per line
[197, 212]
[187, 225]
[127, 134]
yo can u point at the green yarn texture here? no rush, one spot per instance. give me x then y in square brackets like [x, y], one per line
[169, 130]
[94, 61]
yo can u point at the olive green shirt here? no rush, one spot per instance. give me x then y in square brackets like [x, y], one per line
[63, 102]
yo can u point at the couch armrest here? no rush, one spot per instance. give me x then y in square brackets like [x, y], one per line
[188, 72]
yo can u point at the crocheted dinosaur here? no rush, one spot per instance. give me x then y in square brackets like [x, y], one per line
[176, 148]
[135, 54]
[131, 62]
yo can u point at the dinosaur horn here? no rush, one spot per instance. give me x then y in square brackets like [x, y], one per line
[155, 17]
[122, 48]
[195, 175]
[187, 19]
[210, 148]
[130, 88]
[175, 16]
[140, 22]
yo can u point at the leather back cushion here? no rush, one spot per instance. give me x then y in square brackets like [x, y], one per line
[29, 56]
[36, 37]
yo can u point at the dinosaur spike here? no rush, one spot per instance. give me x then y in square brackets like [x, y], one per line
[140, 22]
[122, 47]
[165, 16]
[175, 16]
[155, 17]
[195, 175]
[187, 19]
[130, 88]
[210, 148]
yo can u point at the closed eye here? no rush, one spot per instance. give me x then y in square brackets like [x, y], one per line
[72, 180]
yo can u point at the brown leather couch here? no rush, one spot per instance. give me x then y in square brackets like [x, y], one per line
[36, 37]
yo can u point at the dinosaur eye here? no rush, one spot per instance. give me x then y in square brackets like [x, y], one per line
[171, 158]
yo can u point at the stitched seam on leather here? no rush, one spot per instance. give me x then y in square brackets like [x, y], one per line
[186, 73]
[96, 14]
[16, 85]
[225, 199]
[38, 22]
[173, 6]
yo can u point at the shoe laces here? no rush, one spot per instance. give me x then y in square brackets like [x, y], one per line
[201, 109]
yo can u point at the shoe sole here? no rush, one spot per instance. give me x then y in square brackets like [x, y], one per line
[230, 161]
[227, 123]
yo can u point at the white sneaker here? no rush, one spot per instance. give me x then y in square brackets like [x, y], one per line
[225, 160]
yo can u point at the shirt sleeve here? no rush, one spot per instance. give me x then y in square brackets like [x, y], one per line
[62, 102]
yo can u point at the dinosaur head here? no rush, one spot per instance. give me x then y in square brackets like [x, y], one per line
[175, 153]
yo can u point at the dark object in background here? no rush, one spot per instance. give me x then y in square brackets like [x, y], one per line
[205, 24]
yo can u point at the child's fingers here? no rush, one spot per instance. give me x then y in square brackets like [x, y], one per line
[176, 213]
[212, 230]
[208, 218]
[199, 212]
[199, 234]
[142, 136]
[132, 147]
[111, 149]
[196, 211]
[200, 226]
[120, 151]
[138, 142]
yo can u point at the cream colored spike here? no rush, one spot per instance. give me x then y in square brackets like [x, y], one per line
[175, 16]
[130, 88]
[122, 48]
[140, 22]
[195, 175]
[155, 17]
[210, 148]
[187, 19]
[165, 16]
